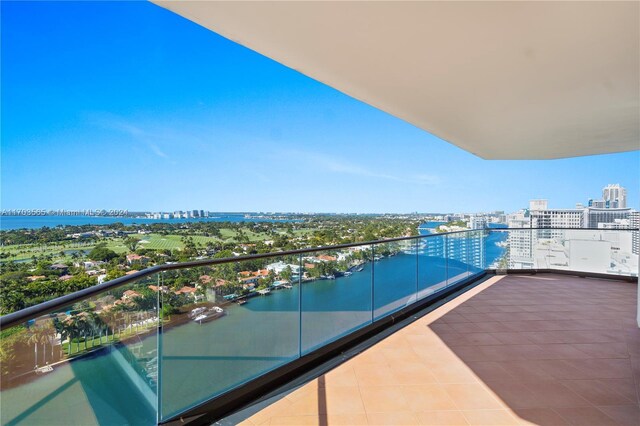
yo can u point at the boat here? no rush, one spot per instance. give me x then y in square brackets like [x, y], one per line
[197, 311]
[348, 274]
[44, 370]
[360, 269]
[209, 315]
[264, 291]
[241, 301]
[331, 277]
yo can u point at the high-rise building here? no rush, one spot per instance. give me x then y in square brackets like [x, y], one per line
[557, 218]
[538, 205]
[614, 196]
[593, 216]
[634, 223]
[477, 222]
[519, 242]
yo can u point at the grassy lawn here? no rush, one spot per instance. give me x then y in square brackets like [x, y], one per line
[26, 251]
[80, 346]
[161, 242]
[171, 242]
[150, 242]
[97, 341]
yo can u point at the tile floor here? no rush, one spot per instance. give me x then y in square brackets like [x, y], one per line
[544, 349]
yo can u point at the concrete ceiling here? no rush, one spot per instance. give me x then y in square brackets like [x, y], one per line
[503, 80]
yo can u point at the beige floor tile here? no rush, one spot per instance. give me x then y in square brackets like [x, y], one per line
[396, 340]
[339, 377]
[454, 373]
[424, 340]
[307, 404]
[428, 397]
[344, 420]
[294, 421]
[380, 399]
[412, 373]
[472, 396]
[442, 418]
[393, 418]
[341, 400]
[374, 375]
[328, 400]
[490, 417]
[264, 416]
[309, 387]
[400, 355]
[370, 356]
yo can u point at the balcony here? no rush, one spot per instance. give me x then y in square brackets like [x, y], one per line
[467, 344]
[545, 349]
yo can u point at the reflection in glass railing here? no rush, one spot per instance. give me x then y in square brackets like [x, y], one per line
[336, 294]
[432, 265]
[94, 362]
[583, 250]
[395, 277]
[102, 361]
[238, 321]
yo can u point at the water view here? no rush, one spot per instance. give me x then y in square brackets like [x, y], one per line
[34, 222]
[199, 360]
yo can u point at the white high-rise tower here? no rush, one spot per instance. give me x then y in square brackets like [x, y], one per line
[614, 196]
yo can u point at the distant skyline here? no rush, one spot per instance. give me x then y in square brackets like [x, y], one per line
[124, 105]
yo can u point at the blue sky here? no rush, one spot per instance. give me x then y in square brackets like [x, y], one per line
[123, 105]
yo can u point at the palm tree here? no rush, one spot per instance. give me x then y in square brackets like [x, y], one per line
[37, 335]
[69, 329]
[46, 332]
[34, 339]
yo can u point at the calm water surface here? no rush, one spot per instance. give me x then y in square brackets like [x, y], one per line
[199, 361]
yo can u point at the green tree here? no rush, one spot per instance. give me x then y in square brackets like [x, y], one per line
[102, 253]
[286, 273]
[131, 243]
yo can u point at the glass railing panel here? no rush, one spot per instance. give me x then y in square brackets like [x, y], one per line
[394, 276]
[496, 249]
[432, 265]
[225, 325]
[476, 254]
[457, 251]
[520, 250]
[336, 294]
[94, 362]
[606, 251]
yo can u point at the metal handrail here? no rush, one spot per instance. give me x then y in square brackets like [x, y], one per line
[49, 306]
